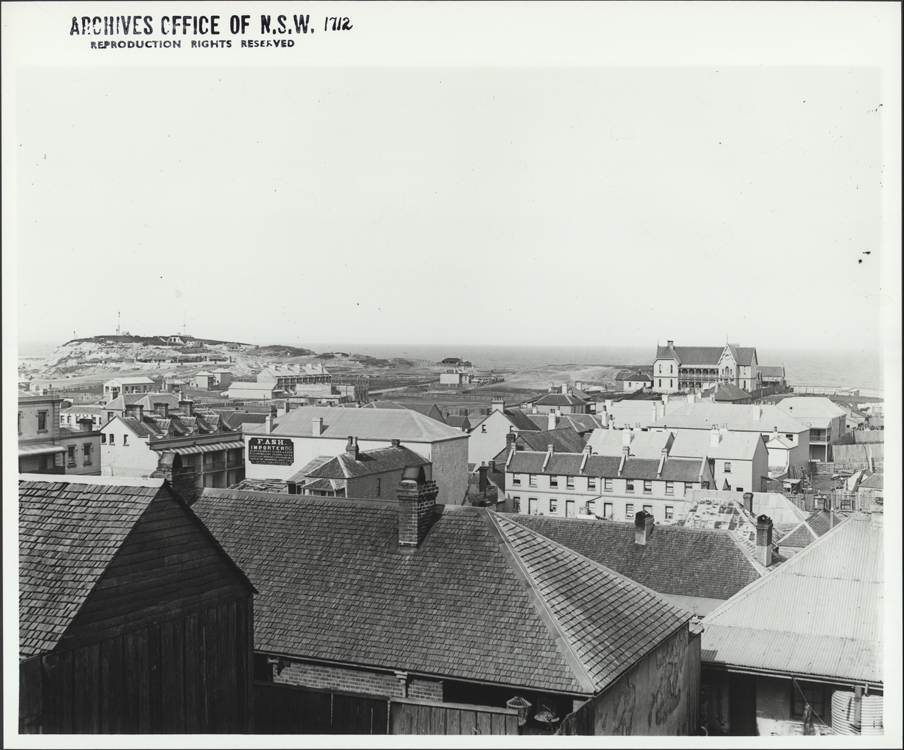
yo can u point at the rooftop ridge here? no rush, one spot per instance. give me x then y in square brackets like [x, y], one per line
[92, 480]
[563, 643]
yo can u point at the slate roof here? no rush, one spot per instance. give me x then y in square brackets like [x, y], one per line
[366, 424]
[632, 376]
[702, 416]
[569, 464]
[692, 356]
[69, 532]
[821, 521]
[771, 371]
[799, 537]
[346, 466]
[522, 421]
[675, 560]
[459, 422]
[483, 598]
[235, 419]
[564, 439]
[819, 615]
[261, 485]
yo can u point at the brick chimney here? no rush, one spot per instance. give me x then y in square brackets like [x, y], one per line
[395, 442]
[643, 527]
[187, 407]
[86, 424]
[317, 426]
[498, 404]
[417, 508]
[351, 447]
[670, 344]
[551, 420]
[510, 440]
[715, 437]
[162, 410]
[135, 410]
[764, 540]
[183, 479]
[482, 477]
[748, 502]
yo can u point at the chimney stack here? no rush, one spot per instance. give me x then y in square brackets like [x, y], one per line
[643, 527]
[670, 344]
[417, 508]
[757, 412]
[627, 436]
[748, 502]
[317, 426]
[86, 424]
[351, 447]
[764, 540]
[395, 442]
[498, 404]
[551, 421]
[135, 410]
[715, 437]
[510, 440]
[162, 410]
[552, 387]
[268, 424]
[187, 407]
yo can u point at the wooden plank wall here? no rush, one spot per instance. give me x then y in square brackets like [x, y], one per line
[191, 674]
[166, 568]
[423, 717]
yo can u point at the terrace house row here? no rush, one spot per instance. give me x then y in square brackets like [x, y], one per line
[561, 484]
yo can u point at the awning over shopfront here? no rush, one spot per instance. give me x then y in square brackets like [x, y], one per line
[36, 449]
[204, 448]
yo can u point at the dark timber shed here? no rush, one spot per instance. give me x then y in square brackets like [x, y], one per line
[132, 617]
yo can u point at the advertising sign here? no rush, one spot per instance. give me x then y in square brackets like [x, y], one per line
[273, 451]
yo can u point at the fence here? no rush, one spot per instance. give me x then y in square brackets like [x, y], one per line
[858, 437]
[833, 467]
[289, 709]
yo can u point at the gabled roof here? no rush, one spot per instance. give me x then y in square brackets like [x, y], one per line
[632, 376]
[346, 466]
[813, 411]
[428, 410]
[69, 533]
[771, 371]
[564, 439]
[820, 614]
[675, 560]
[522, 421]
[235, 419]
[366, 424]
[579, 422]
[692, 356]
[742, 418]
[333, 587]
[143, 428]
[459, 422]
[821, 521]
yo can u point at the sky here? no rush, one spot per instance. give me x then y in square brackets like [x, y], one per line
[452, 204]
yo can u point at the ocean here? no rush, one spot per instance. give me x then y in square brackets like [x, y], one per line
[849, 368]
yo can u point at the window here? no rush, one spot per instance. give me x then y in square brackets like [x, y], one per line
[669, 512]
[125, 439]
[647, 487]
[790, 437]
[42, 421]
[629, 485]
[112, 439]
[607, 485]
[109, 415]
[516, 504]
[669, 488]
[671, 384]
[607, 510]
[803, 693]
[591, 483]
[379, 487]
[86, 449]
[688, 487]
[660, 369]
[553, 505]
[483, 429]
[516, 480]
[71, 455]
[671, 369]
[569, 483]
[20, 422]
[103, 437]
[705, 485]
[553, 481]
[648, 509]
[629, 510]
[532, 480]
[727, 467]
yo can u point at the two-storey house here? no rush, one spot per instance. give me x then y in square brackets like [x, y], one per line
[678, 368]
[46, 447]
[825, 419]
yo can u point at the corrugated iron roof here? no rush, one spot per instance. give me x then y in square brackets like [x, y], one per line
[818, 614]
[366, 424]
[36, 449]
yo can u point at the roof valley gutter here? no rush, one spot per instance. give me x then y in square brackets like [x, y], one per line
[410, 672]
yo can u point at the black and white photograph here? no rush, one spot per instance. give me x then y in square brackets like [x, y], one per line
[451, 369]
